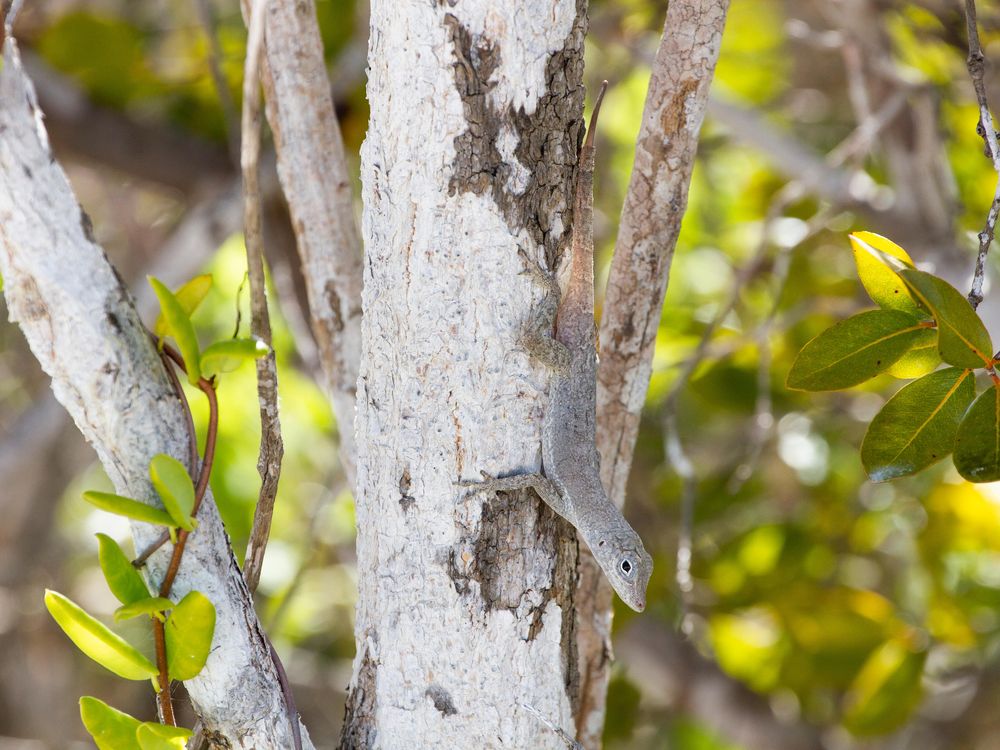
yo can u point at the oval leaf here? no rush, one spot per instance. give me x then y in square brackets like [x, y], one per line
[226, 356]
[122, 577]
[189, 297]
[922, 358]
[94, 639]
[111, 729]
[179, 325]
[886, 690]
[963, 340]
[881, 282]
[917, 426]
[175, 488]
[189, 632]
[152, 736]
[126, 506]
[151, 605]
[854, 350]
[977, 444]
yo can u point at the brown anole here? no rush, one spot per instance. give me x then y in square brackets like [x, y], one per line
[570, 482]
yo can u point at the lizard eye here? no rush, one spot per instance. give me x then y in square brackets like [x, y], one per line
[627, 568]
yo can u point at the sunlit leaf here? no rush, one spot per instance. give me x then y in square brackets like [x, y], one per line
[977, 444]
[94, 639]
[917, 426]
[886, 690]
[154, 736]
[179, 325]
[963, 340]
[151, 605]
[921, 359]
[189, 631]
[122, 577]
[126, 506]
[854, 350]
[111, 729]
[174, 486]
[226, 356]
[882, 283]
[188, 297]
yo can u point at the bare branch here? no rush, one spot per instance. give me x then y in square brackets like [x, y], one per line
[312, 167]
[207, 20]
[976, 63]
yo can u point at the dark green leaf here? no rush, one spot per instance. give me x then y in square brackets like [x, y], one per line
[174, 486]
[151, 605]
[94, 639]
[854, 350]
[179, 325]
[963, 340]
[189, 632]
[126, 506]
[226, 356]
[111, 729]
[881, 282]
[917, 426]
[122, 577]
[977, 445]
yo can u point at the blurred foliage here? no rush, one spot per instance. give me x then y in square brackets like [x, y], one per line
[843, 602]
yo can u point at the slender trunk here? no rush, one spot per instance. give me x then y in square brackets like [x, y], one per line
[465, 611]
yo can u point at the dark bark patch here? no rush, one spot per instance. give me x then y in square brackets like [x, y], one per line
[441, 699]
[359, 731]
[406, 500]
[548, 139]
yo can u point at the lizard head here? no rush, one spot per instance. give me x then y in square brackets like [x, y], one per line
[626, 564]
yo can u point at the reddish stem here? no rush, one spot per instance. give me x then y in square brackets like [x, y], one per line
[163, 697]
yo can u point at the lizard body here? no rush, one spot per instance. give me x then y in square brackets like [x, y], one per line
[571, 483]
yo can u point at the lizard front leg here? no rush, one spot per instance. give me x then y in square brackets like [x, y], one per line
[545, 487]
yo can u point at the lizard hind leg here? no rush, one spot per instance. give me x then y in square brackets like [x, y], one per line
[544, 486]
[537, 338]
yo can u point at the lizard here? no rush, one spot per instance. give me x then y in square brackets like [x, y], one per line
[570, 481]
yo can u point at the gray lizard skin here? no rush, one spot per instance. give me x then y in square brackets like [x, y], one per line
[571, 483]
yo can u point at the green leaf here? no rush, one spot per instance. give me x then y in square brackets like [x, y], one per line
[917, 426]
[977, 444]
[921, 359]
[126, 506]
[963, 340]
[122, 577]
[151, 605]
[226, 356]
[880, 281]
[188, 297]
[854, 350]
[886, 690]
[111, 729]
[174, 486]
[94, 639]
[179, 325]
[189, 632]
[153, 736]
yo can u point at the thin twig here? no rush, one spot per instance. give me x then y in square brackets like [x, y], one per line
[678, 458]
[976, 63]
[271, 447]
[163, 702]
[207, 20]
[561, 733]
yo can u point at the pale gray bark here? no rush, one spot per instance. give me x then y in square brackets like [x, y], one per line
[313, 172]
[465, 611]
[82, 326]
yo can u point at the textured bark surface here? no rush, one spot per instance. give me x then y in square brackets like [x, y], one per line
[650, 223]
[313, 172]
[465, 606]
[82, 326]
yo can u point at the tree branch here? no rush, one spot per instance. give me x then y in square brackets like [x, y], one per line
[81, 325]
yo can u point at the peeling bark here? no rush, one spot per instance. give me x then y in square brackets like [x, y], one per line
[650, 223]
[465, 603]
[82, 326]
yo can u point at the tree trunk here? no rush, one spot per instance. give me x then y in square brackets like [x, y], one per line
[465, 609]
